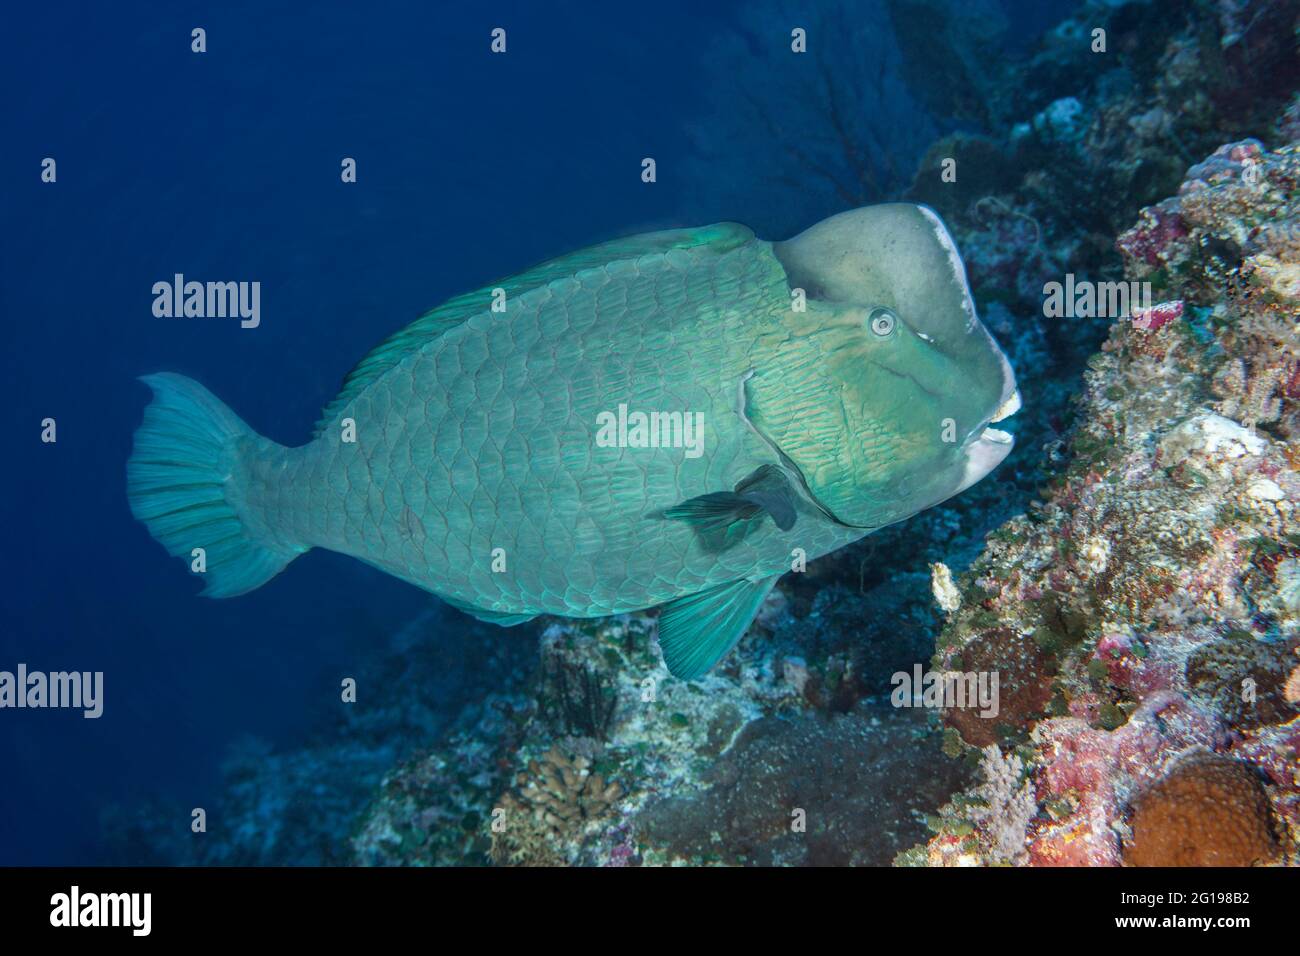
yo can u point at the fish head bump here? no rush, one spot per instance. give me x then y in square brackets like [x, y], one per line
[909, 380]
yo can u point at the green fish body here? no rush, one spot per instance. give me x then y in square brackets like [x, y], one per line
[673, 419]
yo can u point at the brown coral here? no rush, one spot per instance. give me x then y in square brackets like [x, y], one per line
[558, 795]
[1024, 685]
[1209, 810]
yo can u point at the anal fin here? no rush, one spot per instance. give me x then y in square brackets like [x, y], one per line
[695, 631]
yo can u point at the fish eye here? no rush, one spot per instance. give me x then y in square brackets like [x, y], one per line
[881, 321]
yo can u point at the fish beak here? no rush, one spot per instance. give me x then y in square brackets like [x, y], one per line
[987, 449]
[984, 454]
[1007, 408]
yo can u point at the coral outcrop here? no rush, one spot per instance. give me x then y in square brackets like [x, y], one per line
[1154, 574]
[769, 759]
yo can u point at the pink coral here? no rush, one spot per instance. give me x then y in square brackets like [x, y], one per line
[1157, 316]
[1096, 772]
[1158, 226]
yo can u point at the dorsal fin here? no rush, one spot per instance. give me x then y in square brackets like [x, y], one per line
[721, 237]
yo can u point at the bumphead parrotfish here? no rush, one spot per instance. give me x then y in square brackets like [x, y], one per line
[674, 419]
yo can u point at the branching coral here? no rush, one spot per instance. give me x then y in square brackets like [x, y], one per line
[1008, 805]
[557, 796]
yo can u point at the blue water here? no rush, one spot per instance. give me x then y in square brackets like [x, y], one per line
[225, 166]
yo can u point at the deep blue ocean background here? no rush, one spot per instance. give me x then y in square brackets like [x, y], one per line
[225, 166]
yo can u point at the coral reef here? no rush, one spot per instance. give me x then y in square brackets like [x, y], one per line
[577, 697]
[1092, 137]
[766, 760]
[1154, 574]
[1291, 690]
[1218, 672]
[557, 792]
[299, 805]
[436, 808]
[1230, 242]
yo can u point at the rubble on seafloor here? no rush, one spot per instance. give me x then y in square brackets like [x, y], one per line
[1149, 599]
[628, 766]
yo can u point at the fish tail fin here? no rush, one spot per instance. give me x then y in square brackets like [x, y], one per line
[187, 481]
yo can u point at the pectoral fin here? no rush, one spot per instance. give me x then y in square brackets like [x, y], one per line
[766, 490]
[697, 630]
[770, 489]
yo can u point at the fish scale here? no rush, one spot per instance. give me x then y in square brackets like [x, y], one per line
[521, 485]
